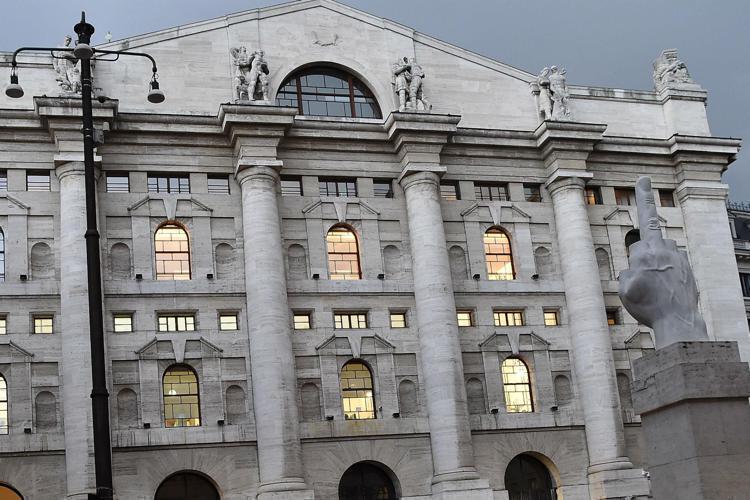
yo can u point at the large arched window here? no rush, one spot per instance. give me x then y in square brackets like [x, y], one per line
[498, 254]
[357, 391]
[343, 254]
[3, 406]
[182, 407]
[326, 91]
[516, 386]
[2, 256]
[366, 481]
[186, 485]
[172, 251]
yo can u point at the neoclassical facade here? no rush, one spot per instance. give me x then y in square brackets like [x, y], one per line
[346, 260]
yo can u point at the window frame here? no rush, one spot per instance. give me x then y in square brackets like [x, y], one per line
[403, 315]
[333, 257]
[745, 284]
[42, 316]
[515, 316]
[168, 178]
[165, 276]
[197, 395]
[4, 324]
[530, 196]
[446, 196]
[507, 385]
[624, 192]
[554, 312]
[4, 405]
[218, 177]
[592, 195]
[343, 391]
[121, 314]
[3, 180]
[377, 193]
[470, 315]
[498, 276]
[338, 320]
[285, 189]
[117, 175]
[228, 314]
[176, 316]
[668, 196]
[613, 316]
[484, 191]
[299, 325]
[40, 186]
[338, 191]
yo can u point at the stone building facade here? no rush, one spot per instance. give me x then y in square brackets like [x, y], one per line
[306, 299]
[739, 219]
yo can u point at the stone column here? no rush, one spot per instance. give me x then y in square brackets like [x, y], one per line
[271, 357]
[74, 329]
[440, 350]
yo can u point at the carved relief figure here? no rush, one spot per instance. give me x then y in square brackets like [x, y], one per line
[66, 67]
[408, 82]
[551, 94]
[251, 74]
[659, 289]
[669, 71]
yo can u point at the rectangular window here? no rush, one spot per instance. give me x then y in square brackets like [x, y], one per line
[123, 322]
[168, 183]
[532, 192]
[3, 325]
[228, 322]
[302, 321]
[344, 187]
[613, 317]
[449, 191]
[351, 320]
[383, 188]
[491, 191]
[593, 196]
[118, 182]
[508, 318]
[745, 282]
[465, 317]
[218, 184]
[37, 180]
[398, 320]
[291, 186]
[666, 197]
[625, 196]
[551, 317]
[3, 180]
[176, 322]
[43, 324]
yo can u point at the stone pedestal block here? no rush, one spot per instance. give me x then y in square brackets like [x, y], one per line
[692, 398]
[467, 489]
[617, 484]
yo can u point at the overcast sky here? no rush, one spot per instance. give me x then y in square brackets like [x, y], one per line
[600, 42]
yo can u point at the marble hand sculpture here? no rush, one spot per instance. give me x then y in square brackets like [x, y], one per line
[659, 289]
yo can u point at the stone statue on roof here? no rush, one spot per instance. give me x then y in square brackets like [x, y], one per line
[551, 93]
[68, 72]
[250, 75]
[408, 83]
[670, 71]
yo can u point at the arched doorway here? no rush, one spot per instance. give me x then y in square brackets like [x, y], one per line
[526, 478]
[186, 486]
[8, 493]
[366, 481]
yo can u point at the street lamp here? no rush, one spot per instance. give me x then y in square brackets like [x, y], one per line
[99, 395]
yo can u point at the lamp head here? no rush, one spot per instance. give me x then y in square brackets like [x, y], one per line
[83, 51]
[155, 95]
[14, 90]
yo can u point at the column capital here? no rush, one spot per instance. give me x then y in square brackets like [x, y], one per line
[565, 146]
[63, 170]
[409, 178]
[567, 180]
[419, 138]
[267, 170]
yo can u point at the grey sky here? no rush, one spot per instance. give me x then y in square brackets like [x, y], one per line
[600, 42]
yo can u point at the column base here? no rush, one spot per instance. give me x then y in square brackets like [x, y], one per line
[618, 484]
[291, 489]
[462, 489]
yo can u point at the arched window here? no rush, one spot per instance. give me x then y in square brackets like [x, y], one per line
[182, 406]
[2, 256]
[326, 91]
[366, 481]
[632, 236]
[526, 478]
[516, 386]
[498, 255]
[357, 392]
[343, 254]
[186, 486]
[9, 493]
[3, 406]
[172, 251]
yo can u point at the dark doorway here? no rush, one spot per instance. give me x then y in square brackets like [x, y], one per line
[526, 478]
[364, 481]
[186, 486]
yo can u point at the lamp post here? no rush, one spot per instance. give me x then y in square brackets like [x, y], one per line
[99, 395]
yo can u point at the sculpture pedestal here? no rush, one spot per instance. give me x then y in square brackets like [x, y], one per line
[693, 402]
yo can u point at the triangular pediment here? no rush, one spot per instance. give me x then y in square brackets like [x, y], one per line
[10, 352]
[514, 340]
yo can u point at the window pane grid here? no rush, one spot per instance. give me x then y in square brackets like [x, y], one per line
[343, 188]
[172, 251]
[532, 192]
[508, 318]
[3, 406]
[465, 318]
[3, 180]
[181, 398]
[551, 318]
[383, 188]
[357, 392]
[123, 323]
[302, 322]
[291, 186]
[3, 325]
[593, 196]
[343, 254]
[625, 196]
[43, 324]
[37, 181]
[168, 184]
[118, 183]
[491, 192]
[516, 386]
[228, 322]
[218, 184]
[398, 320]
[498, 255]
[176, 322]
[351, 321]
[449, 191]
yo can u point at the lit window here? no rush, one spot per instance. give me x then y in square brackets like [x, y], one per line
[346, 187]
[516, 386]
[491, 191]
[356, 391]
[123, 323]
[465, 317]
[398, 320]
[302, 321]
[118, 182]
[165, 183]
[625, 196]
[37, 180]
[449, 191]
[666, 197]
[181, 397]
[498, 254]
[176, 322]
[3, 180]
[383, 188]
[43, 324]
[353, 320]
[532, 192]
[593, 196]
[3, 325]
[508, 318]
[172, 253]
[2, 256]
[218, 184]
[228, 322]
[551, 318]
[612, 317]
[3, 406]
[343, 254]
[291, 186]
[325, 91]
